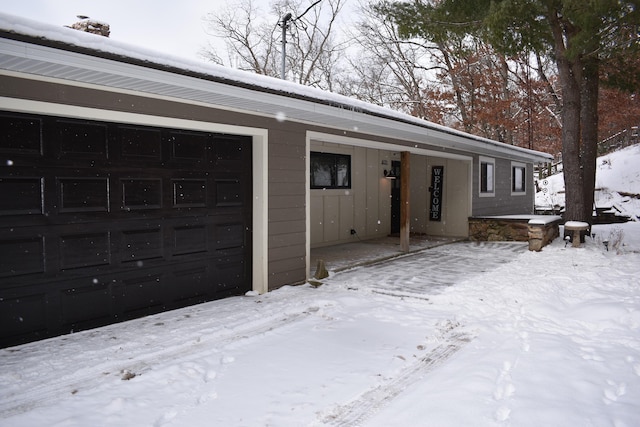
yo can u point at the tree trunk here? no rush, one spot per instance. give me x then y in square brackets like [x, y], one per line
[571, 163]
[505, 131]
[589, 119]
[569, 72]
[455, 83]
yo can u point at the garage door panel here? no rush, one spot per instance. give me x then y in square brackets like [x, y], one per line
[85, 140]
[189, 240]
[83, 194]
[141, 245]
[226, 154]
[231, 273]
[189, 282]
[141, 193]
[21, 195]
[229, 235]
[24, 316]
[21, 135]
[189, 193]
[142, 295]
[228, 192]
[85, 250]
[139, 144]
[101, 222]
[22, 256]
[87, 302]
[190, 147]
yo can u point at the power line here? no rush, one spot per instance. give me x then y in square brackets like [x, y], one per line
[308, 9]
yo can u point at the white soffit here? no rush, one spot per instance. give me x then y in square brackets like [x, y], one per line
[81, 69]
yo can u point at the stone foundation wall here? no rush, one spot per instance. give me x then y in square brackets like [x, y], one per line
[494, 230]
[539, 231]
[540, 235]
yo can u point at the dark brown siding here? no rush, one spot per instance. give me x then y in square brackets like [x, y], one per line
[287, 194]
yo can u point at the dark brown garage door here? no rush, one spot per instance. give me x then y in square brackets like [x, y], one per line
[103, 222]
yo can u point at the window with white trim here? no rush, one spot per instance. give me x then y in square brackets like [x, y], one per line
[330, 170]
[487, 180]
[518, 178]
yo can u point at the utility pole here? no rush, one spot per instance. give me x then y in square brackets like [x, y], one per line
[285, 24]
[288, 17]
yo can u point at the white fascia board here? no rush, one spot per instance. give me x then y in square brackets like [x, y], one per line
[366, 143]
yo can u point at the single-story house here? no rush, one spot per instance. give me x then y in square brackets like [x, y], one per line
[132, 183]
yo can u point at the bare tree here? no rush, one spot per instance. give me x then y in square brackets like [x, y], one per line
[248, 40]
[385, 69]
[253, 39]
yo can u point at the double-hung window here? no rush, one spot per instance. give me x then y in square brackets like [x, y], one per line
[487, 176]
[518, 178]
[330, 170]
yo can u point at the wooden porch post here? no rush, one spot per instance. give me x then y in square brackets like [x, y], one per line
[405, 215]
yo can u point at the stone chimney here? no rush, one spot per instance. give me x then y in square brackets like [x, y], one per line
[89, 25]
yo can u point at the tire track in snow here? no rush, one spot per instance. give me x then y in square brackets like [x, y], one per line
[67, 385]
[373, 400]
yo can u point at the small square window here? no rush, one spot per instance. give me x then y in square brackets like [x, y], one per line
[487, 176]
[330, 170]
[518, 174]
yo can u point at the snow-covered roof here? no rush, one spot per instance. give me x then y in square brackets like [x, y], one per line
[31, 47]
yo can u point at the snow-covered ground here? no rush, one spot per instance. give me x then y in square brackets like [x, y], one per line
[549, 338]
[617, 184]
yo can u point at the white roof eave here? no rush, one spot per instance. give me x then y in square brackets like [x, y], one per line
[234, 90]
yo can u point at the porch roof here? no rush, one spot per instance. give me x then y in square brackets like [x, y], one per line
[73, 57]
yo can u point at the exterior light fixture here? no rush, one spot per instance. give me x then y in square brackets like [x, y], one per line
[389, 174]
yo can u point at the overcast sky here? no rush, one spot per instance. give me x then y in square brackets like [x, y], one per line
[173, 27]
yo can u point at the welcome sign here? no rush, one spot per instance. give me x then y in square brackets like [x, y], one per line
[437, 176]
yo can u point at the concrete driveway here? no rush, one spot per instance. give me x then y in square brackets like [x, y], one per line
[428, 269]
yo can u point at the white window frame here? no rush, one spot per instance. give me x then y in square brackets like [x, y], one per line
[522, 166]
[490, 161]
